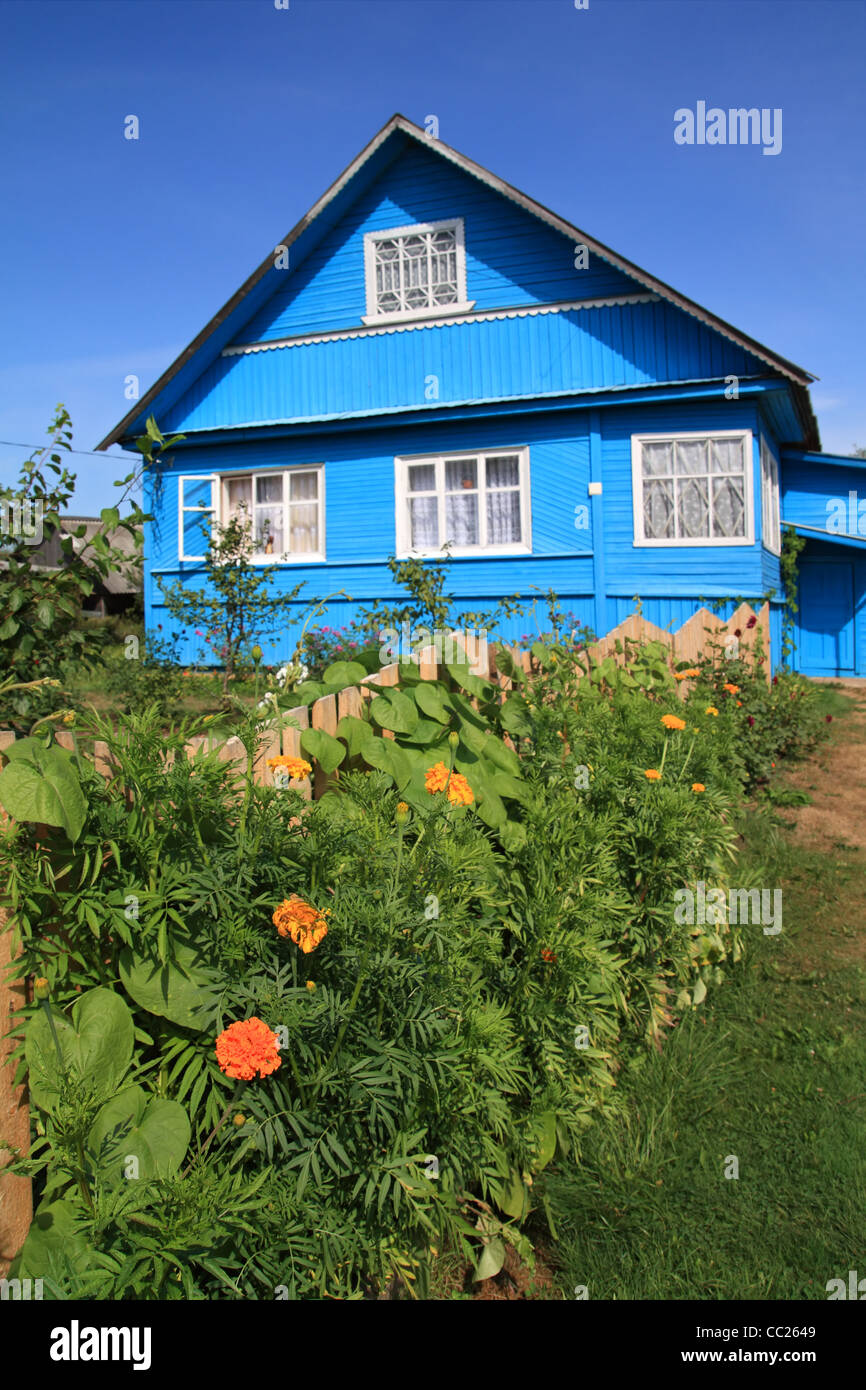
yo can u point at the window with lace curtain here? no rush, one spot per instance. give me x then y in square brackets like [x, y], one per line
[693, 489]
[478, 501]
[415, 272]
[770, 518]
[286, 510]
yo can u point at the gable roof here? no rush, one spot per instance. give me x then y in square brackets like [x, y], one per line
[217, 333]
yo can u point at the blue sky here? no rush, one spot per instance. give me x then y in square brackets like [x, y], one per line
[117, 252]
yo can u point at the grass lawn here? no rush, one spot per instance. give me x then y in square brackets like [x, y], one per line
[772, 1072]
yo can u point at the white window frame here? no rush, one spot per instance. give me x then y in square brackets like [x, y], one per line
[435, 311]
[183, 510]
[219, 509]
[771, 524]
[681, 436]
[401, 501]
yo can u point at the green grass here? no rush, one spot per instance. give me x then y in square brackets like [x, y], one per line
[771, 1070]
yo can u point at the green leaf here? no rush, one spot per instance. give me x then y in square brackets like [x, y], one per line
[492, 1259]
[511, 787]
[96, 1042]
[505, 663]
[512, 1197]
[514, 716]
[55, 1250]
[45, 612]
[505, 758]
[155, 1131]
[183, 990]
[513, 836]
[41, 784]
[473, 685]
[8, 629]
[433, 701]
[110, 518]
[355, 732]
[383, 753]
[327, 750]
[490, 807]
[426, 731]
[343, 673]
[545, 1136]
[394, 710]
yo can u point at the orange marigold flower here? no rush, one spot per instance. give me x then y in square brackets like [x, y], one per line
[296, 768]
[684, 675]
[739, 704]
[436, 779]
[547, 955]
[711, 709]
[732, 689]
[671, 721]
[301, 921]
[698, 787]
[247, 1049]
[653, 775]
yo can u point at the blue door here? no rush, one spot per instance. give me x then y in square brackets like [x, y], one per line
[826, 618]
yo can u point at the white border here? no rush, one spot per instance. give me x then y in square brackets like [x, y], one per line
[401, 508]
[484, 316]
[461, 306]
[686, 542]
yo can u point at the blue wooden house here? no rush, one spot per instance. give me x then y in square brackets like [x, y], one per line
[431, 356]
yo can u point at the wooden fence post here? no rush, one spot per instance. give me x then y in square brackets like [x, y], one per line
[16, 1194]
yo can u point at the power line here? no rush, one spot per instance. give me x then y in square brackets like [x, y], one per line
[92, 453]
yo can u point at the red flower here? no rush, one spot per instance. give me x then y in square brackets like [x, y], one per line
[751, 721]
[752, 622]
[775, 680]
[738, 632]
[829, 719]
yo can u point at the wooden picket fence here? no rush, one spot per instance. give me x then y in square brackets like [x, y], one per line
[688, 644]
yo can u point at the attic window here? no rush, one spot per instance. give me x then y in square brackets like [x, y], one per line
[415, 272]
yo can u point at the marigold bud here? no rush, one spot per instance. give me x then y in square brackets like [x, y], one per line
[311, 985]
[240, 1120]
[40, 987]
[257, 653]
[454, 738]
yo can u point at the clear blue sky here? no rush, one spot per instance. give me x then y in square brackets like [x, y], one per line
[116, 253]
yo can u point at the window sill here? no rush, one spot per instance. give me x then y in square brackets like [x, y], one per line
[444, 311]
[698, 542]
[466, 553]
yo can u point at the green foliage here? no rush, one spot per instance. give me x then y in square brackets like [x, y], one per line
[491, 971]
[40, 632]
[792, 544]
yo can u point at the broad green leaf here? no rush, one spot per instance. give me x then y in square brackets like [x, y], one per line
[433, 701]
[384, 754]
[110, 517]
[356, 732]
[45, 612]
[514, 716]
[507, 665]
[505, 758]
[490, 807]
[56, 1250]
[473, 685]
[426, 731]
[512, 836]
[182, 990]
[8, 629]
[308, 691]
[510, 787]
[155, 1131]
[41, 784]
[512, 1196]
[699, 991]
[343, 673]
[95, 1042]
[546, 658]
[327, 750]
[394, 710]
[545, 1137]
[492, 1259]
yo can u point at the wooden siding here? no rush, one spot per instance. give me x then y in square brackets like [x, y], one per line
[495, 360]
[511, 257]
